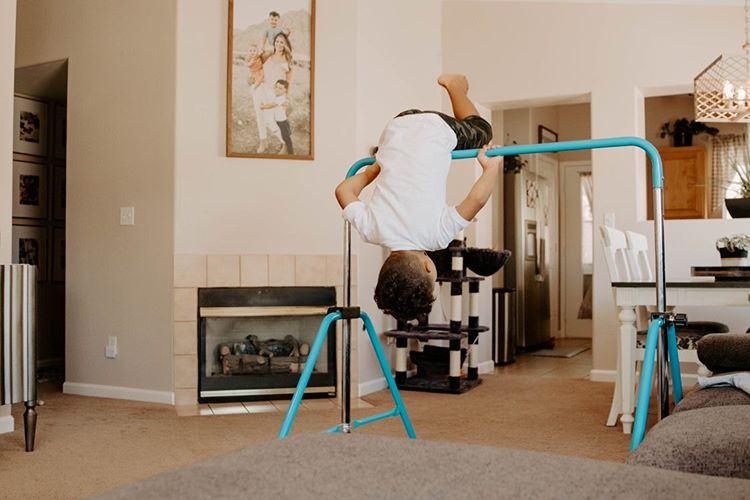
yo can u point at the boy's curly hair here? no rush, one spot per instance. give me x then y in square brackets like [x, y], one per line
[404, 289]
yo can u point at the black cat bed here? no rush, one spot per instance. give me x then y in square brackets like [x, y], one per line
[482, 261]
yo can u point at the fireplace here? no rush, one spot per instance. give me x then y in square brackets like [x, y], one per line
[253, 342]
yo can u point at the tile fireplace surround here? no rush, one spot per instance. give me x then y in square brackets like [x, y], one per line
[204, 271]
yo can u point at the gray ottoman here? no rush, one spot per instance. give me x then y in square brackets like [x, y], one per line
[714, 441]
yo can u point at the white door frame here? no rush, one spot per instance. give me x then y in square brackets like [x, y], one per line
[565, 167]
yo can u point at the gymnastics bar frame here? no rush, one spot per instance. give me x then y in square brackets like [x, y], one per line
[661, 343]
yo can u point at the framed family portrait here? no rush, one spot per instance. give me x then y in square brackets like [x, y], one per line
[30, 126]
[270, 79]
[29, 190]
[30, 247]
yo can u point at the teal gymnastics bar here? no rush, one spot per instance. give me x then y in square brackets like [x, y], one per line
[663, 346]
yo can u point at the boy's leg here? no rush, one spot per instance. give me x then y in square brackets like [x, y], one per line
[458, 88]
[472, 131]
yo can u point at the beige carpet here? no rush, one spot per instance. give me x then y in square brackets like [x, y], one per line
[90, 445]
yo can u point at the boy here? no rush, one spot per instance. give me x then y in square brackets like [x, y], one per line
[254, 64]
[407, 212]
[279, 105]
[273, 29]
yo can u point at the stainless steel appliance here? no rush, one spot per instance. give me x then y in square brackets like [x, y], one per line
[527, 207]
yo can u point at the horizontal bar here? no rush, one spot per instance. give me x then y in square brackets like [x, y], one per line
[553, 147]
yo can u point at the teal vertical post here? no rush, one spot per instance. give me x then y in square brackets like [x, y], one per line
[644, 387]
[401, 409]
[305, 377]
[674, 363]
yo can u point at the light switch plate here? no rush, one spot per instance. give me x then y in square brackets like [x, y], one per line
[127, 216]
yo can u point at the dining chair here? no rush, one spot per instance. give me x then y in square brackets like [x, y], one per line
[626, 254]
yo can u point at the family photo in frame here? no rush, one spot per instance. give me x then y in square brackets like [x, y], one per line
[29, 190]
[30, 122]
[270, 77]
[30, 247]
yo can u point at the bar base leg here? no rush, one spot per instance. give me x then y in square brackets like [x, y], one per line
[29, 424]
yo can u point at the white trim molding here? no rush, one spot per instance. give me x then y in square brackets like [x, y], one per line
[602, 375]
[371, 386]
[487, 367]
[114, 392]
[6, 424]
[688, 379]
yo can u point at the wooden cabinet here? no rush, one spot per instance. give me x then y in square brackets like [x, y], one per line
[685, 187]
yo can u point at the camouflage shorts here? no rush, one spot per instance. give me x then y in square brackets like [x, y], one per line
[472, 132]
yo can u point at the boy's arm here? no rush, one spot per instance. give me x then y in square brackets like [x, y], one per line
[269, 105]
[483, 187]
[348, 191]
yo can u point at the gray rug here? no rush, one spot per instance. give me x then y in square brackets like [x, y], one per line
[560, 352]
[367, 466]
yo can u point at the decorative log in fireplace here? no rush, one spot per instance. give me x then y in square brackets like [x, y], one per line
[253, 342]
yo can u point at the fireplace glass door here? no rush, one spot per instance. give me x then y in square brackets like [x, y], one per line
[257, 352]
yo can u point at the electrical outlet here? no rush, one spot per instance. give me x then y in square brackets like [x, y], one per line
[110, 350]
[127, 216]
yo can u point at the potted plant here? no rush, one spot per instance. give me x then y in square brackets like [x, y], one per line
[733, 249]
[682, 131]
[514, 163]
[740, 207]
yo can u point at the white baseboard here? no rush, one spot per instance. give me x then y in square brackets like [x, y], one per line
[371, 386]
[688, 379]
[114, 392]
[487, 367]
[6, 424]
[603, 375]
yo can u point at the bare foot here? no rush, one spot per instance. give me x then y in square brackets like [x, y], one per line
[263, 146]
[454, 82]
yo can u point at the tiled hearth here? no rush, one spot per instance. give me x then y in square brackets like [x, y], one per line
[200, 271]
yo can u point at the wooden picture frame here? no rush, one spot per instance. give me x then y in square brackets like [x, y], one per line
[29, 246]
[546, 135]
[60, 131]
[30, 184]
[58, 254]
[265, 118]
[30, 126]
[58, 192]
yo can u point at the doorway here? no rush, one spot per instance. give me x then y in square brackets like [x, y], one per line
[39, 205]
[576, 256]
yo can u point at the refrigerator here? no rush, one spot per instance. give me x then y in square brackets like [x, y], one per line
[528, 205]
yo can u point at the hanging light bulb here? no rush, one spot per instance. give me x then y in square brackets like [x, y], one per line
[728, 91]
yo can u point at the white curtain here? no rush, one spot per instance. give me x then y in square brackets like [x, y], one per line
[728, 150]
[587, 192]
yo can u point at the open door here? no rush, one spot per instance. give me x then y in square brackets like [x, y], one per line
[577, 249]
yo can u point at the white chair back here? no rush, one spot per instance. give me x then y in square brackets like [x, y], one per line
[615, 245]
[637, 255]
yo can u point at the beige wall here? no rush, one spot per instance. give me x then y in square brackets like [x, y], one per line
[259, 206]
[611, 51]
[7, 56]
[120, 153]
[396, 70]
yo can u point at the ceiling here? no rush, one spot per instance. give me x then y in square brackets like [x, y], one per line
[48, 80]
